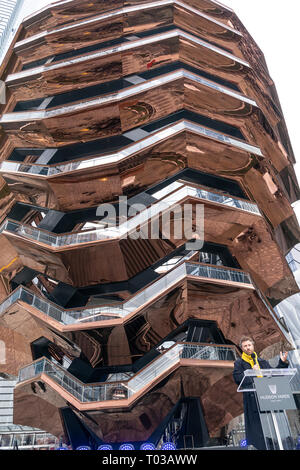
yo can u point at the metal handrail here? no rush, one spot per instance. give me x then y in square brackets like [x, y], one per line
[126, 152]
[123, 390]
[124, 229]
[122, 309]
[125, 10]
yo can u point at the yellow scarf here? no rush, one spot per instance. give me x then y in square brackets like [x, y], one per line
[250, 360]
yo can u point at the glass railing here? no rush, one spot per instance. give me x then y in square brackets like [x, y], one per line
[119, 49]
[27, 440]
[120, 95]
[126, 152]
[129, 226]
[126, 389]
[62, 3]
[64, 56]
[122, 309]
[121, 11]
[221, 274]
[91, 92]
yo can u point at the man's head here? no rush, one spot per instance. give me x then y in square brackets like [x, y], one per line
[247, 345]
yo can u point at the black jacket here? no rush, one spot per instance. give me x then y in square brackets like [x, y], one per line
[240, 366]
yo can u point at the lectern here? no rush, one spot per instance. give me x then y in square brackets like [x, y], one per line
[273, 394]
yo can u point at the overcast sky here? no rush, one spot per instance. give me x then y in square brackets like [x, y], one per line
[274, 25]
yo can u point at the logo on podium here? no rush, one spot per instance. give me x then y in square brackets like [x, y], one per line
[273, 389]
[276, 395]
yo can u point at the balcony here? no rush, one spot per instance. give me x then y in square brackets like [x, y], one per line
[103, 316]
[89, 182]
[118, 157]
[156, 99]
[114, 114]
[119, 84]
[58, 251]
[62, 12]
[117, 253]
[123, 394]
[201, 369]
[173, 194]
[127, 20]
[115, 62]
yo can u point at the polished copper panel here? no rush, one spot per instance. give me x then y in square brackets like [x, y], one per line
[10, 260]
[201, 34]
[271, 145]
[258, 92]
[60, 131]
[128, 58]
[112, 260]
[27, 128]
[161, 50]
[100, 183]
[197, 380]
[146, 102]
[46, 417]
[227, 303]
[261, 85]
[18, 332]
[128, 21]
[60, 13]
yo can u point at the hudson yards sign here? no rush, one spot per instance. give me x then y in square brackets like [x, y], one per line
[274, 394]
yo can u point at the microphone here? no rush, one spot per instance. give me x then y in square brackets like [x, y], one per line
[254, 357]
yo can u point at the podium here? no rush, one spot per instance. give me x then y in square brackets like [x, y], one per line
[273, 395]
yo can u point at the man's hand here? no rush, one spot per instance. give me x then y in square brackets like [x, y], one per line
[283, 356]
[256, 367]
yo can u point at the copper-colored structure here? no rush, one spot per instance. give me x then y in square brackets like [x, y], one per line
[120, 325]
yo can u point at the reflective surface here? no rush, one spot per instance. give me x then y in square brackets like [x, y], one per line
[121, 310]
[167, 50]
[128, 151]
[126, 20]
[127, 389]
[124, 229]
[119, 115]
[138, 90]
[110, 255]
[68, 10]
[27, 440]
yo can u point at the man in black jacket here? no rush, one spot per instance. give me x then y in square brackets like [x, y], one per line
[249, 359]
